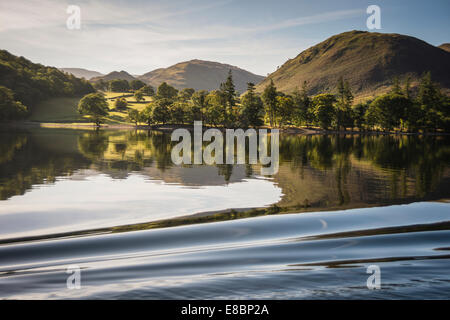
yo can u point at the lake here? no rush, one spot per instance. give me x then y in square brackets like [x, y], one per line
[112, 204]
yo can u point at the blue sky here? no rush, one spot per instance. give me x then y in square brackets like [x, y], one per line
[258, 35]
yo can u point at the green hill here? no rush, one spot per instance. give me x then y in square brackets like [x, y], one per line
[31, 83]
[368, 60]
[200, 75]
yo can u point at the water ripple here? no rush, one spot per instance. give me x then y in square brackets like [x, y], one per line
[309, 255]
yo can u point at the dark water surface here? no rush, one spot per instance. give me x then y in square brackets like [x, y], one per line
[357, 201]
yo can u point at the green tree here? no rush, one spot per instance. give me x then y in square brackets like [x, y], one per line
[430, 100]
[177, 112]
[147, 91]
[252, 110]
[324, 109]
[359, 114]
[95, 106]
[121, 103]
[185, 94]
[344, 117]
[303, 114]
[136, 84]
[146, 115]
[389, 109]
[199, 104]
[101, 85]
[371, 117]
[406, 112]
[118, 85]
[134, 116]
[285, 105]
[160, 110]
[214, 108]
[413, 116]
[269, 98]
[9, 108]
[229, 95]
[166, 91]
[139, 96]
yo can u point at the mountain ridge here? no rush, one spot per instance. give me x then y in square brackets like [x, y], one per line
[82, 73]
[368, 60]
[120, 75]
[200, 75]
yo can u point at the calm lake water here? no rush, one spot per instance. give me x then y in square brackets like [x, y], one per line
[113, 204]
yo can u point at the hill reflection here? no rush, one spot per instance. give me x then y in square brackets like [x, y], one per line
[315, 171]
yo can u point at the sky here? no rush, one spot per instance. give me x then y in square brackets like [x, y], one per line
[257, 35]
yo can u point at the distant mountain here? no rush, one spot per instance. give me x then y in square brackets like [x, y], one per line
[120, 75]
[368, 60]
[82, 73]
[200, 75]
[445, 46]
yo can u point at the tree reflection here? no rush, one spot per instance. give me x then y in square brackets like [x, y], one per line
[320, 170]
[398, 160]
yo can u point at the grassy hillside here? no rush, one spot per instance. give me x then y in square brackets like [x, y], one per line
[200, 75]
[368, 60]
[64, 110]
[32, 82]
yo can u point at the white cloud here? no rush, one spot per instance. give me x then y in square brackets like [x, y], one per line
[140, 37]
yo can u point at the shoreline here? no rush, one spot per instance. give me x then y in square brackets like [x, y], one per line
[170, 127]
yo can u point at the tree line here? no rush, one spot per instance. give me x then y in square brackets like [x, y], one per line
[428, 109]
[221, 107]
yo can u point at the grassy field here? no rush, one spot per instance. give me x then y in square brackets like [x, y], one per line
[64, 110]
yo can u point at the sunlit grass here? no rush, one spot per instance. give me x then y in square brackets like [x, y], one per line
[64, 110]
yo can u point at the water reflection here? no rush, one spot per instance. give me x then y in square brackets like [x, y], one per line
[56, 183]
[316, 173]
[346, 170]
[405, 166]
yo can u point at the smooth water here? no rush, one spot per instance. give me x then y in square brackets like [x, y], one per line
[112, 204]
